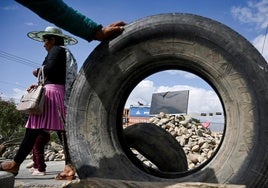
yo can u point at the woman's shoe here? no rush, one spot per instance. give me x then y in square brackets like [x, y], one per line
[67, 174]
[64, 177]
[31, 170]
[10, 166]
[36, 172]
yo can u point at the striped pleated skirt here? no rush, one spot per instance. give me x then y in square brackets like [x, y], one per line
[54, 110]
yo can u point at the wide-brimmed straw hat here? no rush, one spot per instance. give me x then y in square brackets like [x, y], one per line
[38, 35]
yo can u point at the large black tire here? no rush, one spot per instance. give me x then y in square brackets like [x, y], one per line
[157, 145]
[216, 53]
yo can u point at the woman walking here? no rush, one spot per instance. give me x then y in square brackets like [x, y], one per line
[54, 67]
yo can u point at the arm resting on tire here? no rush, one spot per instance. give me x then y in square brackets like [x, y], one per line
[64, 17]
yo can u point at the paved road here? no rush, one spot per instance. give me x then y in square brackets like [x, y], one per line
[25, 179]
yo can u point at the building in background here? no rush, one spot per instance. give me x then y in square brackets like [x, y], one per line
[136, 114]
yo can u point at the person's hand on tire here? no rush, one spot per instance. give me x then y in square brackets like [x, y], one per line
[110, 32]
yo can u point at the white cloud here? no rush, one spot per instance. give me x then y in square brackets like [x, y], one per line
[141, 93]
[254, 13]
[261, 43]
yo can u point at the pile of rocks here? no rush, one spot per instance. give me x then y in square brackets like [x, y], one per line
[53, 152]
[198, 142]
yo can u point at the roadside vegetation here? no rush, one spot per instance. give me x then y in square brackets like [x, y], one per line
[12, 124]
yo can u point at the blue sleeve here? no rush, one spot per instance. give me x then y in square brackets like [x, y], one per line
[63, 16]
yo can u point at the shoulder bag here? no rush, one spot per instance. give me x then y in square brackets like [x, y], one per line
[33, 102]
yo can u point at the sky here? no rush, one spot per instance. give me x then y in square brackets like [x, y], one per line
[19, 55]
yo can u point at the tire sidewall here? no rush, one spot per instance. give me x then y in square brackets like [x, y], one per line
[192, 43]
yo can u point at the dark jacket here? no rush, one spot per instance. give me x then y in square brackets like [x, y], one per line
[55, 66]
